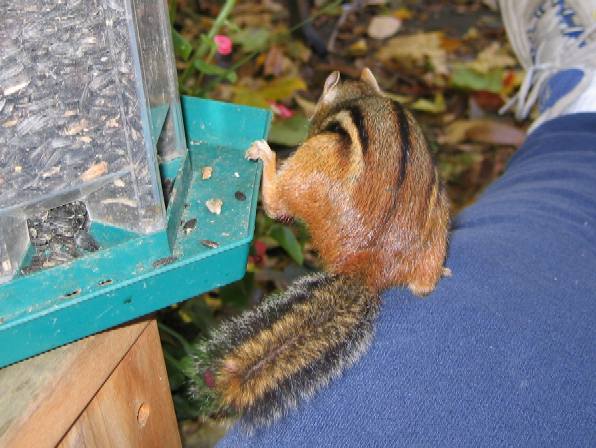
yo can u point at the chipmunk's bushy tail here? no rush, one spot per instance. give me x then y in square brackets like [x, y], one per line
[264, 362]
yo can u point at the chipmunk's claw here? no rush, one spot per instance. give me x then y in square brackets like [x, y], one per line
[259, 150]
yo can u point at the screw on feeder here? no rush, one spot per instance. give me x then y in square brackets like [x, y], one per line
[143, 412]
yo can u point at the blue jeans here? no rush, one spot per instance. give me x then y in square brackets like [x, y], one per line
[504, 352]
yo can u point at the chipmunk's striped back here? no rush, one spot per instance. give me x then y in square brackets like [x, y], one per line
[368, 162]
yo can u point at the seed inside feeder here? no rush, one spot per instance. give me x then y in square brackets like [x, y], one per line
[58, 236]
[70, 111]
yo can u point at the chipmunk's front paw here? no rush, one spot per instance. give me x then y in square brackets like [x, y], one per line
[259, 150]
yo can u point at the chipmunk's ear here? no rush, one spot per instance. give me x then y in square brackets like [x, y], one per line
[367, 77]
[331, 81]
[329, 88]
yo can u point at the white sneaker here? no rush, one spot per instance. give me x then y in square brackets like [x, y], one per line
[555, 42]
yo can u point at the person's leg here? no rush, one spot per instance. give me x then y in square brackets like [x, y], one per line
[503, 353]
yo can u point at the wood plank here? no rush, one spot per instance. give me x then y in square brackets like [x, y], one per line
[134, 406]
[43, 396]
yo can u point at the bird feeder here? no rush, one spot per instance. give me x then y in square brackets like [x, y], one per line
[117, 198]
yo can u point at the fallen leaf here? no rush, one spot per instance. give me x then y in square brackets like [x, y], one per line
[455, 164]
[275, 62]
[472, 33]
[488, 101]
[418, 48]
[404, 99]
[466, 78]
[512, 79]
[437, 106]
[382, 27]
[252, 39]
[483, 131]
[490, 58]
[358, 48]
[450, 44]
[277, 90]
[403, 13]
[491, 4]
[214, 205]
[297, 50]
[289, 132]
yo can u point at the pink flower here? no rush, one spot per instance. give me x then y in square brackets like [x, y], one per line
[223, 43]
[209, 379]
[281, 110]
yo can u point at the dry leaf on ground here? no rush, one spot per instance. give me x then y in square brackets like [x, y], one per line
[381, 27]
[417, 47]
[493, 56]
[483, 131]
[259, 93]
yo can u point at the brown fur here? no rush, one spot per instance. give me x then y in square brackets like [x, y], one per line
[361, 224]
[293, 342]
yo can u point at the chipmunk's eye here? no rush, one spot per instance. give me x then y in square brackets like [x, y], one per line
[335, 127]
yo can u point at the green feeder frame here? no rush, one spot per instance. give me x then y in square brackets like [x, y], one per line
[133, 275]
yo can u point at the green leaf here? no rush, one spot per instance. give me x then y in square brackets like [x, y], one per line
[215, 70]
[275, 90]
[437, 106]
[237, 294]
[182, 47]
[197, 312]
[469, 79]
[289, 132]
[172, 10]
[286, 239]
[177, 336]
[252, 39]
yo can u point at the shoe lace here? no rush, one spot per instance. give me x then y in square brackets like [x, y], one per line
[569, 53]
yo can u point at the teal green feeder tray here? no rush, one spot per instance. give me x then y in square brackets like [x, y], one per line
[135, 274]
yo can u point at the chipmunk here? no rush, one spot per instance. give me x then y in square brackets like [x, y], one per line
[367, 188]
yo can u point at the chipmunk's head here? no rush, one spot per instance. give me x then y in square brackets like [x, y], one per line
[337, 92]
[368, 128]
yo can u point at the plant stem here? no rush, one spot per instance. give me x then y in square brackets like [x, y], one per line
[310, 18]
[183, 342]
[206, 43]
